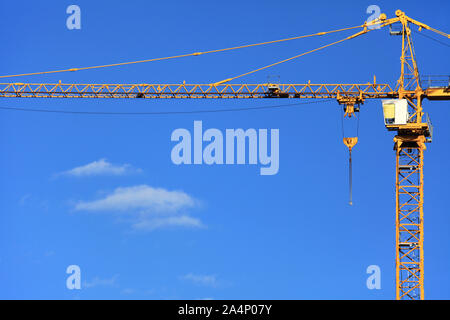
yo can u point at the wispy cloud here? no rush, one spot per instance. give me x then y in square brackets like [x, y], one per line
[128, 291]
[29, 200]
[49, 253]
[101, 167]
[98, 282]
[141, 197]
[177, 221]
[203, 280]
[23, 200]
[148, 208]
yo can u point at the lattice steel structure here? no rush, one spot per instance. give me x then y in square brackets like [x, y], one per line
[196, 91]
[409, 217]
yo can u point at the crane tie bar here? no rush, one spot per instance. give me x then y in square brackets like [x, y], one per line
[182, 55]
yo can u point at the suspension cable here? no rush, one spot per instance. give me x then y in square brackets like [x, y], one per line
[183, 112]
[182, 55]
[295, 57]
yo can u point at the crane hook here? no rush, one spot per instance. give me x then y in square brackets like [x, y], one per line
[350, 142]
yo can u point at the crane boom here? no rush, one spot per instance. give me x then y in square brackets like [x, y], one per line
[212, 91]
[195, 91]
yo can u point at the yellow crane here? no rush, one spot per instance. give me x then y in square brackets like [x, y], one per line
[402, 106]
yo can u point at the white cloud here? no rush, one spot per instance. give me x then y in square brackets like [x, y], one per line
[101, 167]
[204, 280]
[96, 282]
[176, 221]
[147, 208]
[143, 197]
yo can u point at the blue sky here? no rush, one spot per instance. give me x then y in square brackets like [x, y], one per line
[222, 232]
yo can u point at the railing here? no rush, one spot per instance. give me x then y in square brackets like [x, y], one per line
[433, 81]
[396, 29]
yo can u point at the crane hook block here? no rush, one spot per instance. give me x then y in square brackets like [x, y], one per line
[350, 142]
[350, 110]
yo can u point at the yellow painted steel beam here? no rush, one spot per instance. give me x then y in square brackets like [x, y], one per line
[196, 91]
[409, 217]
[442, 93]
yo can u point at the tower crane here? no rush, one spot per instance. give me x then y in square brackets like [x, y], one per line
[402, 106]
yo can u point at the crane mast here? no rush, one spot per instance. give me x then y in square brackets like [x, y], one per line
[409, 146]
[409, 143]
